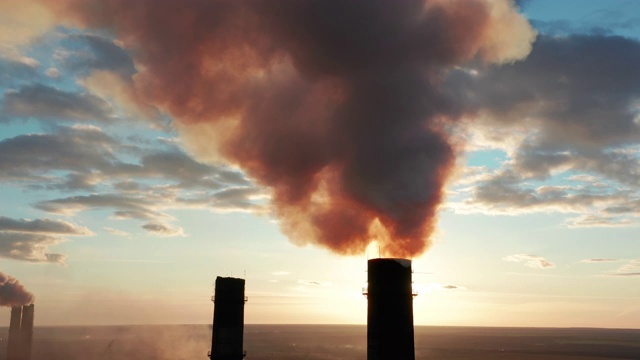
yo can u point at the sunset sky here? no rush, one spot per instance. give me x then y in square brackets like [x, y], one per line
[147, 147]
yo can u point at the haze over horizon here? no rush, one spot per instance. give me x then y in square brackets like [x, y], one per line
[147, 148]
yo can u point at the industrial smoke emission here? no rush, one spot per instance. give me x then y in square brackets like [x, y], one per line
[337, 107]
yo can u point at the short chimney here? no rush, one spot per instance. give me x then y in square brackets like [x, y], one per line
[390, 311]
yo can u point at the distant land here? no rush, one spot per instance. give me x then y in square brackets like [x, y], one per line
[329, 342]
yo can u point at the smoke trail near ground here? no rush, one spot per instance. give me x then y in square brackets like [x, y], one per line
[333, 105]
[12, 293]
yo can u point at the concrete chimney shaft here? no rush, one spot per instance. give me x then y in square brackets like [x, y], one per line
[228, 319]
[13, 346]
[26, 332]
[390, 311]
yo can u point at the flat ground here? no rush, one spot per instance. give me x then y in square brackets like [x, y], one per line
[329, 342]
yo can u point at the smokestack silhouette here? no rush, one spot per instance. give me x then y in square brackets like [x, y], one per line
[390, 311]
[13, 347]
[20, 333]
[228, 320]
[26, 332]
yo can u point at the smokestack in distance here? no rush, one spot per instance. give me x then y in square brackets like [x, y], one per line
[26, 332]
[390, 311]
[228, 320]
[13, 346]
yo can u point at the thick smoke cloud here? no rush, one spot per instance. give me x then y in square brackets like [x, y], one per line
[12, 293]
[334, 105]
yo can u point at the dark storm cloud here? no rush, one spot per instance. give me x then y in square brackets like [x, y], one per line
[44, 102]
[47, 226]
[30, 247]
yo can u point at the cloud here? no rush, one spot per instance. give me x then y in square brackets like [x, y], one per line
[532, 261]
[21, 24]
[453, 287]
[163, 230]
[29, 247]
[125, 207]
[599, 221]
[13, 71]
[44, 102]
[29, 240]
[86, 53]
[630, 269]
[52, 73]
[636, 274]
[570, 108]
[600, 260]
[313, 283]
[46, 226]
[79, 149]
[116, 232]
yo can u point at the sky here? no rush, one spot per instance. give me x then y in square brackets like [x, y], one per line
[145, 150]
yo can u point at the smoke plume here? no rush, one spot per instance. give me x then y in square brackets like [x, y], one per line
[333, 105]
[12, 293]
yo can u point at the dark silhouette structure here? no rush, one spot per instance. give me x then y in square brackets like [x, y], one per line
[20, 333]
[26, 332]
[390, 311]
[228, 320]
[13, 346]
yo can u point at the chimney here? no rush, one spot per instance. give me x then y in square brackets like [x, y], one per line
[26, 332]
[13, 346]
[390, 311]
[228, 320]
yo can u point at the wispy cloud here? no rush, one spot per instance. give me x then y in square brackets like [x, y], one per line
[164, 230]
[532, 261]
[116, 232]
[630, 269]
[44, 102]
[313, 283]
[600, 260]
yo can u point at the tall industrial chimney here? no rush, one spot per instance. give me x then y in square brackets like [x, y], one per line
[26, 332]
[228, 320]
[13, 346]
[390, 312]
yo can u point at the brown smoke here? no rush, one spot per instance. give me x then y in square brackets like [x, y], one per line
[334, 105]
[12, 293]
